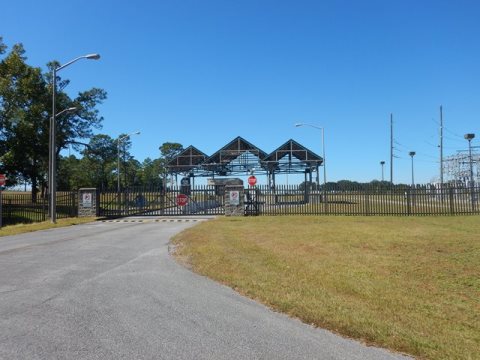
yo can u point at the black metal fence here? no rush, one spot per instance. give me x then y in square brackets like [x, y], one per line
[156, 201]
[20, 207]
[396, 200]
[294, 200]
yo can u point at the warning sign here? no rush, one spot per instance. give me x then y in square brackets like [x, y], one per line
[234, 197]
[87, 200]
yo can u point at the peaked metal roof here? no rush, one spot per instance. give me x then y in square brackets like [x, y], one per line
[233, 150]
[293, 149]
[189, 159]
[240, 156]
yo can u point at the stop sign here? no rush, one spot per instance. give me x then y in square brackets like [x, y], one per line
[252, 180]
[2, 179]
[182, 199]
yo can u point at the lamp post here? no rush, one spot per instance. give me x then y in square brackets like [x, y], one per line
[325, 202]
[53, 130]
[70, 109]
[50, 152]
[119, 140]
[412, 191]
[469, 138]
[412, 154]
[382, 163]
[323, 149]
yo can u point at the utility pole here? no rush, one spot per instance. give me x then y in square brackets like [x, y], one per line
[391, 148]
[441, 147]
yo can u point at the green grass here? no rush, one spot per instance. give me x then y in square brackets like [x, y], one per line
[408, 284]
[24, 228]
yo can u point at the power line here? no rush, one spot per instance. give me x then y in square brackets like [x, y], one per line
[429, 143]
[453, 139]
[452, 133]
[428, 161]
[426, 155]
[437, 146]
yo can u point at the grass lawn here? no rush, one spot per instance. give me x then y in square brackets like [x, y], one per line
[24, 228]
[410, 284]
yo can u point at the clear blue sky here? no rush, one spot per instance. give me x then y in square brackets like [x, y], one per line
[203, 72]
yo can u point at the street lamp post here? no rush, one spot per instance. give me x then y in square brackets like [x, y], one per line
[469, 138]
[71, 109]
[53, 129]
[412, 191]
[325, 203]
[412, 154]
[119, 140]
[382, 163]
[323, 149]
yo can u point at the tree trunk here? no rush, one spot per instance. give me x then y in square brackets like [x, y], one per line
[44, 188]
[34, 188]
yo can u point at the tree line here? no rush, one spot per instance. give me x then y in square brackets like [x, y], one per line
[25, 112]
[98, 166]
[348, 185]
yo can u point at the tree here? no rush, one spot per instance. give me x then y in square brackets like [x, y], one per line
[309, 185]
[71, 174]
[23, 119]
[25, 110]
[168, 151]
[151, 172]
[100, 158]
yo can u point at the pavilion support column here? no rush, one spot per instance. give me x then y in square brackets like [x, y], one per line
[274, 187]
[307, 188]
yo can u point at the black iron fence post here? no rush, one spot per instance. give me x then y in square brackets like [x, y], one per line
[450, 197]
[325, 200]
[367, 204]
[409, 202]
[472, 195]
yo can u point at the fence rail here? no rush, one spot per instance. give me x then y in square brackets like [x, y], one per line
[20, 207]
[289, 200]
[155, 201]
[295, 200]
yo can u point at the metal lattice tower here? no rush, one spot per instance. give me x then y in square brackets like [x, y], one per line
[457, 168]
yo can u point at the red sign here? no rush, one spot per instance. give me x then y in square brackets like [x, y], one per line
[182, 199]
[2, 179]
[252, 180]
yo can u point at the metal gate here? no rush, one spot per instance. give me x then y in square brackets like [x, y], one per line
[170, 201]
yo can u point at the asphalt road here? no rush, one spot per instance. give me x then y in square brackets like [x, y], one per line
[110, 290]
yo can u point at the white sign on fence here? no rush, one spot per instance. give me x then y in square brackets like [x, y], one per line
[87, 200]
[234, 197]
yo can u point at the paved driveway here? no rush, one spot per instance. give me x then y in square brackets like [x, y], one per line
[110, 290]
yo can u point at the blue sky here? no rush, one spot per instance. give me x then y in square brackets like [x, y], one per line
[203, 72]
